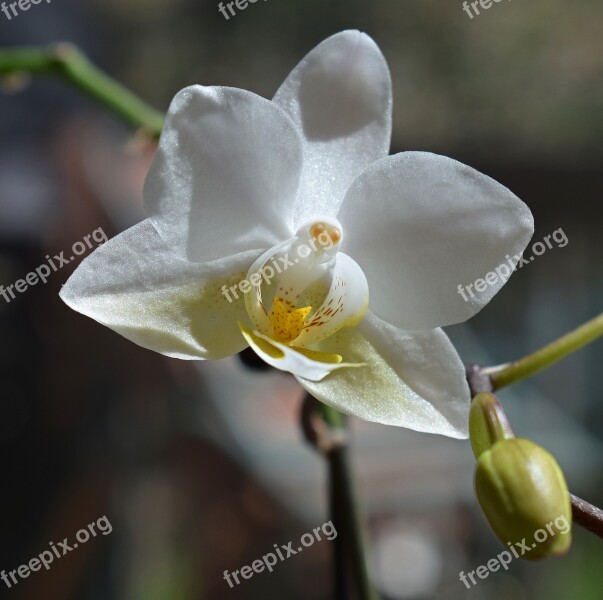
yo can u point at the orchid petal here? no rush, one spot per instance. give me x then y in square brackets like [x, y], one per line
[311, 365]
[226, 171]
[137, 286]
[421, 225]
[340, 97]
[412, 379]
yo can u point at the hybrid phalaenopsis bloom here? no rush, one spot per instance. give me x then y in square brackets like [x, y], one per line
[284, 225]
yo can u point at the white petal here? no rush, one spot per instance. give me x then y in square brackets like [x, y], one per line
[136, 285]
[413, 379]
[420, 225]
[225, 174]
[344, 306]
[340, 97]
[288, 359]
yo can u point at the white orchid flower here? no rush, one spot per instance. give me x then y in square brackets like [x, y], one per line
[250, 205]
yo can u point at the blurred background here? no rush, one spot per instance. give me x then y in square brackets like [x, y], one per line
[202, 467]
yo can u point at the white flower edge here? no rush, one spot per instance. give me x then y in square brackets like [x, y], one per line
[440, 224]
[340, 98]
[414, 380]
[136, 285]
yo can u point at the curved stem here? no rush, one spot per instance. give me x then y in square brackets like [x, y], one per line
[541, 359]
[587, 515]
[71, 64]
[345, 512]
[326, 429]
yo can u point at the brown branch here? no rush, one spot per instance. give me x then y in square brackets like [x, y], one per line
[586, 515]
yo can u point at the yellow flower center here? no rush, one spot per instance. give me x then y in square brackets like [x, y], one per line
[286, 320]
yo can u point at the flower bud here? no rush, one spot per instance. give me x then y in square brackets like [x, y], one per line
[487, 423]
[523, 494]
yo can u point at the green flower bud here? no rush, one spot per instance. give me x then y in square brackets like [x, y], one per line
[523, 494]
[487, 423]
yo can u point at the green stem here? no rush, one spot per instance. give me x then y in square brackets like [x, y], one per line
[345, 515]
[545, 357]
[68, 62]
